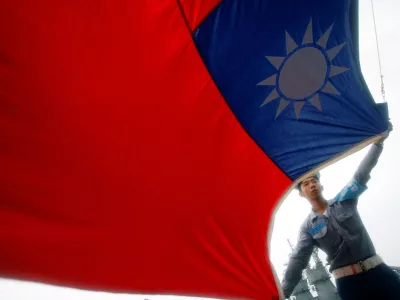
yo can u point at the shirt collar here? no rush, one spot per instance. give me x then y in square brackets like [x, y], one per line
[314, 214]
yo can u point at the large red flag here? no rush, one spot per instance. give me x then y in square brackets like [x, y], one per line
[145, 144]
[123, 168]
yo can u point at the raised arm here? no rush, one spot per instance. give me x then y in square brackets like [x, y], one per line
[363, 172]
[361, 177]
[298, 262]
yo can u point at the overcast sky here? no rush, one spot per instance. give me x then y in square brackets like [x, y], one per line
[379, 206]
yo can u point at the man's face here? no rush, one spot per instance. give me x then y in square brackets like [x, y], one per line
[312, 189]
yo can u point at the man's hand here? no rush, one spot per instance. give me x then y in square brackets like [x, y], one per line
[381, 140]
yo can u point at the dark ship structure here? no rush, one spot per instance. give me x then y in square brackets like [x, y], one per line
[316, 283]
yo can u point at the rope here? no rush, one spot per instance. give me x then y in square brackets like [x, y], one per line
[379, 55]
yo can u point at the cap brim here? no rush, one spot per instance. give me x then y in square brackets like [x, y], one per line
[316, 175]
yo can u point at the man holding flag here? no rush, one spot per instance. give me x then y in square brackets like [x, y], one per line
[335, 227]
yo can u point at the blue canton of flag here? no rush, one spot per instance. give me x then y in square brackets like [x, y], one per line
[289, 71]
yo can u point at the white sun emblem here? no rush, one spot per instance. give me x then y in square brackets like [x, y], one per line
[304, 73]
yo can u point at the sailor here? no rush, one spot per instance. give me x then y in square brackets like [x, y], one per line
[336, 228]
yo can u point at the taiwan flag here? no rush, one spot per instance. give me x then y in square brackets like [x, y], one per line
[144, 145]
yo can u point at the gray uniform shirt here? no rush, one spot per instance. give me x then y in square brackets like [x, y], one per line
[339, 232]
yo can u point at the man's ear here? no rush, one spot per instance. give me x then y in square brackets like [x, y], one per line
[301, 194]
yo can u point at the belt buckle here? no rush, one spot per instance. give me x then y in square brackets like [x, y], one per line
[362, 266]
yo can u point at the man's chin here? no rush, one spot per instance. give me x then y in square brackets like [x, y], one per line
[316, 194]
[317, 199]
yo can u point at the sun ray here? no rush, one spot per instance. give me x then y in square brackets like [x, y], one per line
[330, 89]
[311, 58]
[314, 101]
[282, 105]
[308, 36]
[324, 39]
[290, 44]
[272, 96]
[336, 70]
[298, 106]
[269, 81]
[276, 61]
[335, 51]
